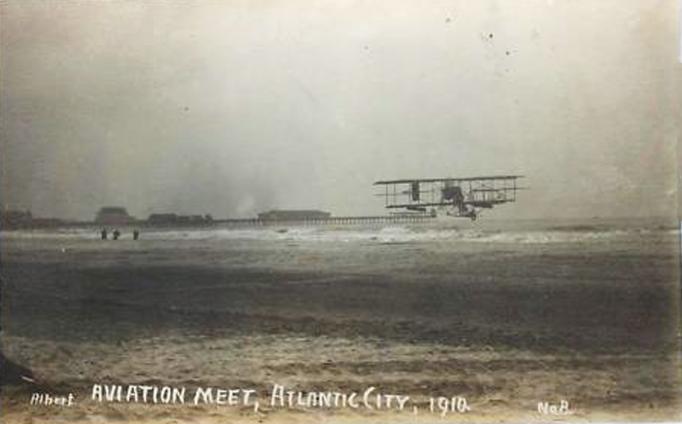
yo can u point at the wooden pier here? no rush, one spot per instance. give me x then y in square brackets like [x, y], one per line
[336, 220]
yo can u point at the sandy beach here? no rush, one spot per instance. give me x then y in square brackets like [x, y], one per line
[503, 317]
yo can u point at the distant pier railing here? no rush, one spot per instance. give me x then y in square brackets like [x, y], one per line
[335, 220]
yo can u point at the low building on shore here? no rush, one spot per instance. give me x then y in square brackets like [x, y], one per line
[15, 219]
[113, 215]
[18, 220]
[162, 219]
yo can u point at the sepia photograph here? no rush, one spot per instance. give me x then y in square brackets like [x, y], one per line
[298, 211]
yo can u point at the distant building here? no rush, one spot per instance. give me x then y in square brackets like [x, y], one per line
[12, 219]
[113, 215]
[293, 215]
[162, 219]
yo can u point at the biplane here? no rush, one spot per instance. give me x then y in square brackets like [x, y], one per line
[460, 197]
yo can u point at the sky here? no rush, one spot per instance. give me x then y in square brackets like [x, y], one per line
[235, 107]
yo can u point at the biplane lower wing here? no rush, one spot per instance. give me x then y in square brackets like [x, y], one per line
[461, 196]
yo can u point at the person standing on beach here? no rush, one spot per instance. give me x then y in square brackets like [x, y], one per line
[136, 234]
[116, 233]
[103, 233]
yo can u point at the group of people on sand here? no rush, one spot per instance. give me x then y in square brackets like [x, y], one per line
[116, 234]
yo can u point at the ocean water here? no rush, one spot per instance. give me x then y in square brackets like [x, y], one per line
[443, 228]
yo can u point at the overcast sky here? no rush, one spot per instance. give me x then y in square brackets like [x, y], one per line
[234, 107]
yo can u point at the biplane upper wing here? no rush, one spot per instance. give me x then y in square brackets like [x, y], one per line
[436, 180]
[465, 195]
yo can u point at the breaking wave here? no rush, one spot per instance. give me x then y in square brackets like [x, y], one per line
[387, 234]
